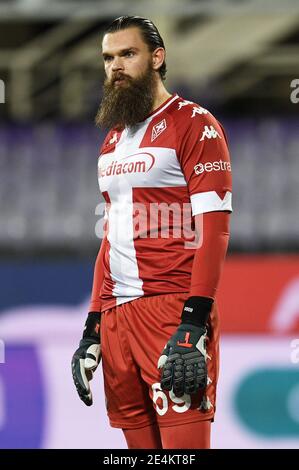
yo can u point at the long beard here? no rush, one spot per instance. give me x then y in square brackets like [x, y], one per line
[125, 106]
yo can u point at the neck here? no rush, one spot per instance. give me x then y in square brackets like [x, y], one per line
[161, 95]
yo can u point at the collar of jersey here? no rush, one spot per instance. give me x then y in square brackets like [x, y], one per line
[162, 106]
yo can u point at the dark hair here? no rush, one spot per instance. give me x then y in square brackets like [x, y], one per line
[150, 33]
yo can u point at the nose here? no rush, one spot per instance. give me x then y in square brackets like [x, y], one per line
[117, 64]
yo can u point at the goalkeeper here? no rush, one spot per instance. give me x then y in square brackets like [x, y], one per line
[153, 315]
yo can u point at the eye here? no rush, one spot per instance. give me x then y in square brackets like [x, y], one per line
[129, 54]
[107, 58]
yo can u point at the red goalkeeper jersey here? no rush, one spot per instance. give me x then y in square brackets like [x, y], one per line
[154, 178]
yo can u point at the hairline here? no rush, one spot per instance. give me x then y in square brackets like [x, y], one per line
[142, 35]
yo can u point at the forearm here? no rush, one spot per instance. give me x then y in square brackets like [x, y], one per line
[209, 258]
[98, 278]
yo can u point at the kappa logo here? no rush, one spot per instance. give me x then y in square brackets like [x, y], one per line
[198, 110]
[206, 404]
[184, 103]
[158, 129]
[209, 133]
[195, 108]
[113, 139]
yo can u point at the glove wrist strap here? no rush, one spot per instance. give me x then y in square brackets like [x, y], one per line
[196, 310]
[92, 325]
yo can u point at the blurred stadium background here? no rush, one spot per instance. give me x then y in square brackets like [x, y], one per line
[238, 58]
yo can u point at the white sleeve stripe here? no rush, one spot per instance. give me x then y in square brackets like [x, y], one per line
[210, 201]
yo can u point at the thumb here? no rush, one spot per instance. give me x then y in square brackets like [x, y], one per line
[92, 357]
[164, 356]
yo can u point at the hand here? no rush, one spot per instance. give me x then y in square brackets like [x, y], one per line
[183, 361]
[87, 357]
[184, 357]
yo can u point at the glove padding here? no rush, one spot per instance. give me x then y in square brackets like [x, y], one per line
[87, 358]
[183, 361]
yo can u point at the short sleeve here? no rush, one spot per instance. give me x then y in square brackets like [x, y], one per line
[204, 157]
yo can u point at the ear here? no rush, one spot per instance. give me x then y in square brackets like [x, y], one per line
[158, 57]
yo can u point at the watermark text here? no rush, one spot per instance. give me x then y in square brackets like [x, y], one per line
[2, 92]
[2, 352]
[295, 351]
[294, 96]
[153, 220]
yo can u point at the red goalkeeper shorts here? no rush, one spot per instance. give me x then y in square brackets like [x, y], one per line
[133, 336]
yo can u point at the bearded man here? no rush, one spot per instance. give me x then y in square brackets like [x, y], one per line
[164, 171]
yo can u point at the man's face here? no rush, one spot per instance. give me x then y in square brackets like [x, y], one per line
[125, 55]
[130, 87]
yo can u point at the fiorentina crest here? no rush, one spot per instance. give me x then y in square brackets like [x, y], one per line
[158, 129]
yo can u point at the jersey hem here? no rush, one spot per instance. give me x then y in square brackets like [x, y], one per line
[113, 303]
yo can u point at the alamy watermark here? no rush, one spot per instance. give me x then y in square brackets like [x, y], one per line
[294, 96]
[2, 351]
[152, 220]
[2, 92]
[295, 351]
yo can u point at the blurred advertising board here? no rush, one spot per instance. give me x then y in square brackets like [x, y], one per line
[43, 309]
